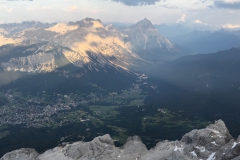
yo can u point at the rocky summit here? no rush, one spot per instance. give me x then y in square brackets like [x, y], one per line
[87, 44]
[212, 143]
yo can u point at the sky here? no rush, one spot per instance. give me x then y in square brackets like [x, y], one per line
[205, 13]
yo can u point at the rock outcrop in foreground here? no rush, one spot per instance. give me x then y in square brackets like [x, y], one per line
[212, 143]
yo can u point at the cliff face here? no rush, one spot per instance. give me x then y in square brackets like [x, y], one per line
[212, 143]
[89, 45]
[45, 57]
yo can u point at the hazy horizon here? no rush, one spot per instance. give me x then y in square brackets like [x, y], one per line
[210, 14]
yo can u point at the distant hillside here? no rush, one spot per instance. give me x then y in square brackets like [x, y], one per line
[205, 85]
[200, 41]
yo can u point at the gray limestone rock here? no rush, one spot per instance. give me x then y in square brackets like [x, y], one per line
[238, 139]
[237, 158]
[21, 154]
[101, 148]
[134, 145]
[224, 149]
[235, 152]
[212, 143]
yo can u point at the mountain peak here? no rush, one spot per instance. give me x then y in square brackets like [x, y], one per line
[145, 37]
[144, 23]
[91, 20]
[146, 20]
[88, 22]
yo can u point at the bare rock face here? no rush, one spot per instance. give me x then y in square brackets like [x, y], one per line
[90, 46]
[204, 142]
[234, 152]
[32, 63]
[101, 148]
[144, 36]
[134, 145]
[212, 143]
[21, 154]
[87, 44]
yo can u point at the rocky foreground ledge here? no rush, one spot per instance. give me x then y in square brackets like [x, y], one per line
[212, 143]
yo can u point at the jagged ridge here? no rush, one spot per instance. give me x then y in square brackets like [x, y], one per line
[88, 41]
[212, 143]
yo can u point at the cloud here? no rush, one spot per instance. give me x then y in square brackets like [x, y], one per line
[227, 4]
[46, 7]
[203, 1]
[169, 6]
[72, 8]
[137, 2]
[15, 0]
[198, 21]
[182, 19]
[10, 10]
[231, 26]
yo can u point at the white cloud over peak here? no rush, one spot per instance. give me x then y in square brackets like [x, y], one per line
[46, 7]
[73, 8]
[182, 19]
[10, 10]
[198, 21]
[137, 2]
[231, 26]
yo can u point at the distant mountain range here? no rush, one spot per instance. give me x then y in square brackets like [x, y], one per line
[208, 42]
[148, 42]
[203, 85]
[135, 69]
[10, 29]
[89, 50]
[86, 44]
[200, 41]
